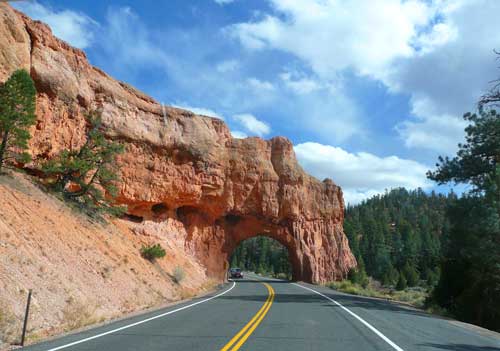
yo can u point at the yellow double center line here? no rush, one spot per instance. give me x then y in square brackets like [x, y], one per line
[239, 339]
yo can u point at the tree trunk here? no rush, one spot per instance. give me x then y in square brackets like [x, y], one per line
[84, 190]
[3, 147]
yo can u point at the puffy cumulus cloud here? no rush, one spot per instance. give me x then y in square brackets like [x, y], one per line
[335, 35]
[436, 52]
[361, 175]
[252, 124]
[430, 129]
[73, 27]
[446, 82]
[199, 110]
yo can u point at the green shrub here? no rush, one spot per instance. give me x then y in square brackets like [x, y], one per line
[178, 274]
[359, 276]
[411, 275]
[354, 289]
[415, 297]
[152, 252]
[283, 276]
[402, 284]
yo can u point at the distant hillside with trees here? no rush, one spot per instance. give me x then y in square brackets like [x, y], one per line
[396, 237]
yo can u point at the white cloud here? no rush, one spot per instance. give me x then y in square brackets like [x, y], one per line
[361, 175]
[199, 110]
[446, 82]
[75, 28]
[431, 129]
[335, 35]
[238, 134]
[227, 66]
[300, 84]
[223, 2]
[260, 85]
[253, 125]
[434, 51]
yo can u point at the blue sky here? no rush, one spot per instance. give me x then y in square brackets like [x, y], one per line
[370, 92]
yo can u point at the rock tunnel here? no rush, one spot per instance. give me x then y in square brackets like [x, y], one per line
[315, 252]
[246, 188]
[181, 171]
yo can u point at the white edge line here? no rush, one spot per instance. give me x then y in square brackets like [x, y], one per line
[368, 325]
[141, 322]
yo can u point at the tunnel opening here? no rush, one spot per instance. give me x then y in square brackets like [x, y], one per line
[263, 255]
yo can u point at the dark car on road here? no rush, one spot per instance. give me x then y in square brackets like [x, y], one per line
[235, 273]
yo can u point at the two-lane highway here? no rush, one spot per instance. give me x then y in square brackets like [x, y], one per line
[266, 314]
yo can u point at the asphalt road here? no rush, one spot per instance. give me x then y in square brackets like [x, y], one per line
[264, 314]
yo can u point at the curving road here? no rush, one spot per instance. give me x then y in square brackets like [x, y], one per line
[265, 314]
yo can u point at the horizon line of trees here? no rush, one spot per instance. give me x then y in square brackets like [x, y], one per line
[396, 237]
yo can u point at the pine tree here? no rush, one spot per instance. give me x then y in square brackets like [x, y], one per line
[88, 175]
[469, 286]
[410, 274]
[17, 114]
[401, 285]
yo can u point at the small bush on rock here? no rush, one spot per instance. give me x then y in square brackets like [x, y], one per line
[152, 252]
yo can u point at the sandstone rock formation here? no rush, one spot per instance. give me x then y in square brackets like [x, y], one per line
[184, 170]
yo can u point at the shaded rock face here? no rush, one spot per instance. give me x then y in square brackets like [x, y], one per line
[180, 167]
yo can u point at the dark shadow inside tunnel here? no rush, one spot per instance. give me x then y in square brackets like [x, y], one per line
[263, 255]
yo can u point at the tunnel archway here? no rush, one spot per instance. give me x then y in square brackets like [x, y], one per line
[237, 229]
[262, 255]
[317, 249]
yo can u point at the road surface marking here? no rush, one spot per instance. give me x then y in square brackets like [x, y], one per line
[237, 336]
[250, 327]
[141, 322]
[368, 325]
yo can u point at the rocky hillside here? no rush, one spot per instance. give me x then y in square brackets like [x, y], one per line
[80, 271]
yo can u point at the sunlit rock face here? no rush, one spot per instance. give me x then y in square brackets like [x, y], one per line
[179, 168]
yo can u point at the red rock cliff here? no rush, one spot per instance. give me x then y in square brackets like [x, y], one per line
[183, 171]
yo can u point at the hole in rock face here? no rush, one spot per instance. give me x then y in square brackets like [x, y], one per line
[133, 218]
[185, 213]
[159, 209]
[262, 255]
[232, 219]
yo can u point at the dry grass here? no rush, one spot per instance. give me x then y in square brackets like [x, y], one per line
[178, 274]
[209, 284]
[9, 326]
[186, 294]
[412, 296]
[77, 315]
